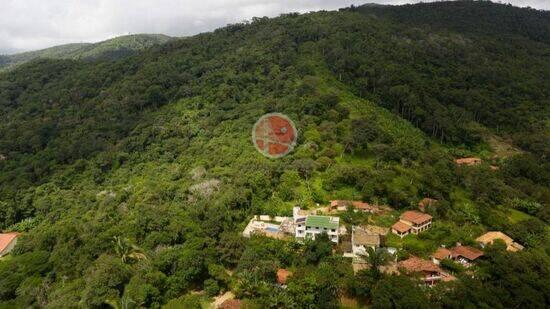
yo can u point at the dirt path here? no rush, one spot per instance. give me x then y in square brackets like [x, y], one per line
[220, 299]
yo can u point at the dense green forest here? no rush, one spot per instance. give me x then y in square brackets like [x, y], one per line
[115, 48]
[100, 161]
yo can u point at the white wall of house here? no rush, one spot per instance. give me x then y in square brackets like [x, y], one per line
[401, 235]
[302, 231]
[313, 231]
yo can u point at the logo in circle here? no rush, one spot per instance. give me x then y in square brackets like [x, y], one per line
[274, 135]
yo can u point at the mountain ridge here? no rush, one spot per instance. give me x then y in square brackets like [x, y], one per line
[132, 180]
[113, 48]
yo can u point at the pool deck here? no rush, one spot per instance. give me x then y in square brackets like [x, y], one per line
[269, 229]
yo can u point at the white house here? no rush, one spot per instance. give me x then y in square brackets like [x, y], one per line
[308, 226]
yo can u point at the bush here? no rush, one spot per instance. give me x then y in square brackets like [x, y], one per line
[452, 266]
[211, 287]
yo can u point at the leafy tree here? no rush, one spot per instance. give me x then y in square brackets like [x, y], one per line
[317, 249]
[105, 281]
[398, 292]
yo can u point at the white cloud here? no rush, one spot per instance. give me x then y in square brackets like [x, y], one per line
[34, 24]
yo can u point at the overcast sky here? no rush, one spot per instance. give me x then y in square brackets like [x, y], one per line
[34, 24]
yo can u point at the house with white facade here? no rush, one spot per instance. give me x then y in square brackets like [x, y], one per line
[309, 226]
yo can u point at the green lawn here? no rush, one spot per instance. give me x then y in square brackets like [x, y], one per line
[516, 216]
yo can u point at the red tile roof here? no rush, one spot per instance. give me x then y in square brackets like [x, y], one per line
[282, 275]
[400, 227]
[442, 253]
[415, 264]
[6, 239]
[415, 217]
[468, 252]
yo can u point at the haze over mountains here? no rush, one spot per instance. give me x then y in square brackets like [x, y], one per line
[132, 177]
[109, 49]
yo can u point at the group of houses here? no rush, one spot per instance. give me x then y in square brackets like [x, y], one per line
[308, 224]
[430, 271]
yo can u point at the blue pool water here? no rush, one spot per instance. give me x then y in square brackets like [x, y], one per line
[272, 229]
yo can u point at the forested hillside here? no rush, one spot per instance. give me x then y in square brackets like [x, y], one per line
[132, 179]
[110, 49]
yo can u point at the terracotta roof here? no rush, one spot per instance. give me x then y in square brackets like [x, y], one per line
[415, 264]
[467, 252]
[231, 304]
[415, 216]
[282, 275]
[6, 239]
[362, 237]
[514, 247]
[468, 161]
[400, 227]
[490, 237]
[442, 253]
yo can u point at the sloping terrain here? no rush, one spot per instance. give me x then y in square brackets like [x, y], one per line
[100, 158]
[109, 49]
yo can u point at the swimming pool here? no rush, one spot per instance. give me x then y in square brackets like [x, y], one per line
[272, 229]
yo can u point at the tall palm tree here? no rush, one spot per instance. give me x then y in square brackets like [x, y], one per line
[123, 302]
[376, 258]
[127, 251]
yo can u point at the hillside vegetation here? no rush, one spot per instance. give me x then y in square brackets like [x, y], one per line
[110, 49]
[100, 161]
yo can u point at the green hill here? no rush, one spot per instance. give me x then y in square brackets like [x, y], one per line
[110, 49]
[132, 179]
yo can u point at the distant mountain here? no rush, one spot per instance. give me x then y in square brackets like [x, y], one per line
[109, 49]
[132, 180]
